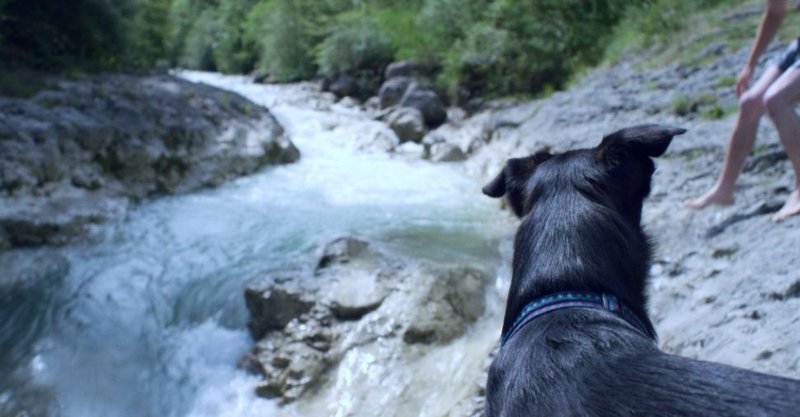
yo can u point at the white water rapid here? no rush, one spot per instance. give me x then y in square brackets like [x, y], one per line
[150, 321]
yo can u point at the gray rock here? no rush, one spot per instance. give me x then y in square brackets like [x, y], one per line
[455, 299]
[78, 154]
[407, 123]
[341, 250]
[427, 102]
[446, 152]
[401, 69]
[274, 306]
[356, 294]
[373, 302]
[344, 85]
[393, 90]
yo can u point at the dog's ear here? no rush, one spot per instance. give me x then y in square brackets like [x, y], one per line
[496, 188]
[516, 171]
[643, 140]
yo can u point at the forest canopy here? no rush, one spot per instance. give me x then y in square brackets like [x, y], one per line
[482, 47]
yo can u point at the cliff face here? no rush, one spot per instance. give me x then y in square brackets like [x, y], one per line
[81, 151]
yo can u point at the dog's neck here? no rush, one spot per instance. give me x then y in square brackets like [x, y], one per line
[588, 247]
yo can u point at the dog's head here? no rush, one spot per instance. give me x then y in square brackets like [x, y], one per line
[616, 173]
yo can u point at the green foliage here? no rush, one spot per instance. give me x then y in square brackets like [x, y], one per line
[232, 52]
[56, 34]
[283, 40]
[197, 50]
[482, 47]
[355, 43]
[151, 24]
[526, 46]
[681, 105]
[407, 37]
[655, 24]
[725, 81]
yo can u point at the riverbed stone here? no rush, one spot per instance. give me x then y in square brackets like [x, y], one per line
[455, 299]
[272, 307]
[341, 250]
[407, 123]
[446, 152]
[344, 85]
[392, 91]
[354, 295]
[427, 102]
[373, 302]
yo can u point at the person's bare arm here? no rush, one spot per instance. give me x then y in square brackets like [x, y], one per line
[770, 22]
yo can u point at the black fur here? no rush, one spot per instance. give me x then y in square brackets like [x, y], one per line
[581, 231]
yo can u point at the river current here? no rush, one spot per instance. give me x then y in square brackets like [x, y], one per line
[150, 319]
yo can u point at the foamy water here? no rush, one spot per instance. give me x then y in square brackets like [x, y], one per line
[151, 321]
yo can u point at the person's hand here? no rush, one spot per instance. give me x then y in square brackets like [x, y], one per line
[743, 80]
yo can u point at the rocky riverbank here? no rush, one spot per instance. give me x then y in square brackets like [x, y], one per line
[83, 150]
[724, 282]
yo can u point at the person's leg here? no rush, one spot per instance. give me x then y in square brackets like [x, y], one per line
[780, 100]
[751, 108]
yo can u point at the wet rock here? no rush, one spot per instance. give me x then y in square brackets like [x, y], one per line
[427, 102]
[446, 152]
[392, 91]
[289, 374]
[344, 85]
[373, 104]
[370, 302]
[341, 250]
[455, 299]
[355, 295]
[407, 123]
[272, 307]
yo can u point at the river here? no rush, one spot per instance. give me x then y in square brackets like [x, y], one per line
[150, 318]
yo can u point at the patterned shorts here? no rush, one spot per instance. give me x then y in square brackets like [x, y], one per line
[790, 58]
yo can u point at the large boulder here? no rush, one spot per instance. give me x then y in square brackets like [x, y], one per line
[407, 123]
[393, 90]
[427, 102]
[79, 153]
[362, 300]
[344, 85]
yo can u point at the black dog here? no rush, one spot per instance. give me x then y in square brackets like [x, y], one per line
[577, 340]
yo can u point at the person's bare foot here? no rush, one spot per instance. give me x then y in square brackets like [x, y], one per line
[790, 208]
[713, 197]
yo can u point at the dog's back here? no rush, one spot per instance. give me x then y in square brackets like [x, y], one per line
[581, 234]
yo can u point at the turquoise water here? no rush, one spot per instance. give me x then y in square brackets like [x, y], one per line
[150, 321]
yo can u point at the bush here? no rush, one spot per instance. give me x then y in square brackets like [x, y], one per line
[528, 46]
[652, 24]
[197, 50]
[54, 35]
[282, 40]
[355, 44]
[150, 29]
